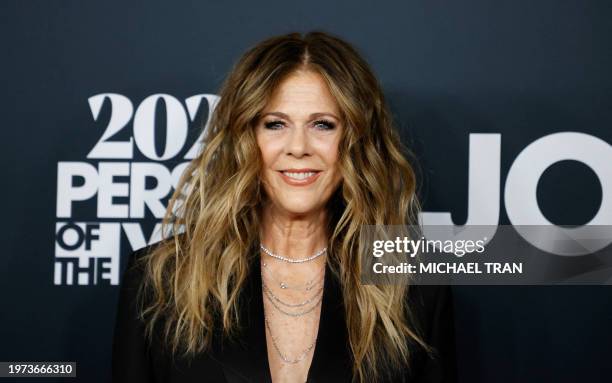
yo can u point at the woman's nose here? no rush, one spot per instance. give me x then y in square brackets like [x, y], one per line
[297, 142]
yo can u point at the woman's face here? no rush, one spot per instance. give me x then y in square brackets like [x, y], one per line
[298, 135]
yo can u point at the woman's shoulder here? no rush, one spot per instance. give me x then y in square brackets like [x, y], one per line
[430, 300]
[132, 280]
[432, 312]
[431, 306]
[135, 259]
[131, 357]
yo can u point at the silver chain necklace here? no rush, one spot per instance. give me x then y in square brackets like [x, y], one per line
[305, 352]
[280, 354]
[292, 260]
[283, 285]
[298, 314]
[307, 301]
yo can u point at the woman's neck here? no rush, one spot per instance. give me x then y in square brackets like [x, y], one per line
[293, 235]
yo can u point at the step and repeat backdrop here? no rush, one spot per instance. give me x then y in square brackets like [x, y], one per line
[506, 105]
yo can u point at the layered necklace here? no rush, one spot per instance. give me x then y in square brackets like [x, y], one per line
[287, 308]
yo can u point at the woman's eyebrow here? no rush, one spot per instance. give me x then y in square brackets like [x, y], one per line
[312, 116]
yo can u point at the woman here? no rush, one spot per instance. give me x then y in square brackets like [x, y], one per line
[263, 282]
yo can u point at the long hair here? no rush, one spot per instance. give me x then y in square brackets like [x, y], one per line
[195, 279]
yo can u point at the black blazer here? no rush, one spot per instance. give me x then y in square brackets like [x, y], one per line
[246, 360]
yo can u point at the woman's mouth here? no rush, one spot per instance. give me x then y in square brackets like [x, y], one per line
[299, 177]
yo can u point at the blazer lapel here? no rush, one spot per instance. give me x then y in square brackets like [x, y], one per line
[331, 361]
[246, 359]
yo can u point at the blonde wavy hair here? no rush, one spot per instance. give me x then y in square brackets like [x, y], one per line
[194, 279]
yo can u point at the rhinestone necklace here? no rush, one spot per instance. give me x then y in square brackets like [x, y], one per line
[292, 260]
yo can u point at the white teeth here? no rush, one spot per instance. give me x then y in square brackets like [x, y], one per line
[299, 176]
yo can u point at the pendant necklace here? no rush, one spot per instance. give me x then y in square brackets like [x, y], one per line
[283, 285]
[297, 314]
[307, 301]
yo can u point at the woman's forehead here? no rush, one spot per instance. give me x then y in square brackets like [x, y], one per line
[301, 94]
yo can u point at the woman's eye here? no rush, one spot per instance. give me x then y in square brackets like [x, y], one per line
[324, 125]
[274, 125]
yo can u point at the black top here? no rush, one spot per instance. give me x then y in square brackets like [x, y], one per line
[246, 360]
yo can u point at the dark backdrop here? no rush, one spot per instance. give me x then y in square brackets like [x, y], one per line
[522, 69]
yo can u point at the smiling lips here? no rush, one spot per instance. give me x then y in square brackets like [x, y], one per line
[299, 177]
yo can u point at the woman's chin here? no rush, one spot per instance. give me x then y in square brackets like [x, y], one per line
[298, 207]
